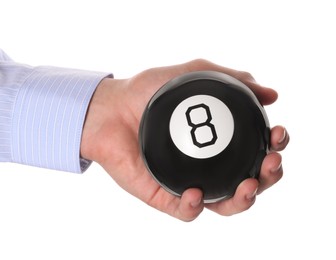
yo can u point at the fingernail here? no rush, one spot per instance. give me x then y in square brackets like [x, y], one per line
[252, 196]
[283, 136]
[196, 203]
[277, 169]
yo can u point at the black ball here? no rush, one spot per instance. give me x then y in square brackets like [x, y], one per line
[204, 130]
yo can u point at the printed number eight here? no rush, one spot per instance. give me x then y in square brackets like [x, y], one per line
[206, 123]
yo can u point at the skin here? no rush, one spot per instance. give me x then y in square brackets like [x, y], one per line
[110, 138]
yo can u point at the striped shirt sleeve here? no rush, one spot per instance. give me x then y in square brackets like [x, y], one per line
[42, 112]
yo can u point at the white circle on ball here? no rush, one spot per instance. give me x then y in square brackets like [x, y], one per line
[201, 126]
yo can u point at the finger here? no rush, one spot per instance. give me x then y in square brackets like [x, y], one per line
[279, 138]
[186, 208]
[242, 200]
[266, 96]
[190, 205]
[271, 171]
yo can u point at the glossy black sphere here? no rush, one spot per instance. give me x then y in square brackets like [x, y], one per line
[204, 130]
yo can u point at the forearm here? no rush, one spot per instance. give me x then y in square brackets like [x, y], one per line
[42, 112]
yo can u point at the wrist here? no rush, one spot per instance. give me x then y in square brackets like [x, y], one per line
[102, 109]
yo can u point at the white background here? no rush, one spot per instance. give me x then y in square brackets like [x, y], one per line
[287, 45]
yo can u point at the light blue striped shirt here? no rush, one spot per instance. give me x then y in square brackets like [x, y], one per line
[42, 112]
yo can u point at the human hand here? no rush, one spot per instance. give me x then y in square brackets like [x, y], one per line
[110, 137]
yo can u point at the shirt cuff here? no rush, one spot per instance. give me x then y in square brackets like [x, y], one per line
[48, 118]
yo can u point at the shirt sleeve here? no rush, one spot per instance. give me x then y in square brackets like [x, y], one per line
[42, 112]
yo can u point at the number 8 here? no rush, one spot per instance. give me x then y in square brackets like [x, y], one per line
[206, 123]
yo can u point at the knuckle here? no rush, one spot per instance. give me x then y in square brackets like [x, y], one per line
[199, 63]
[244, 75]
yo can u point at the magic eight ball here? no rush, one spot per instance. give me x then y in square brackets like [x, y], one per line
[204, 130]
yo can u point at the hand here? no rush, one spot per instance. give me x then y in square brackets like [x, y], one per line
[110, 137]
